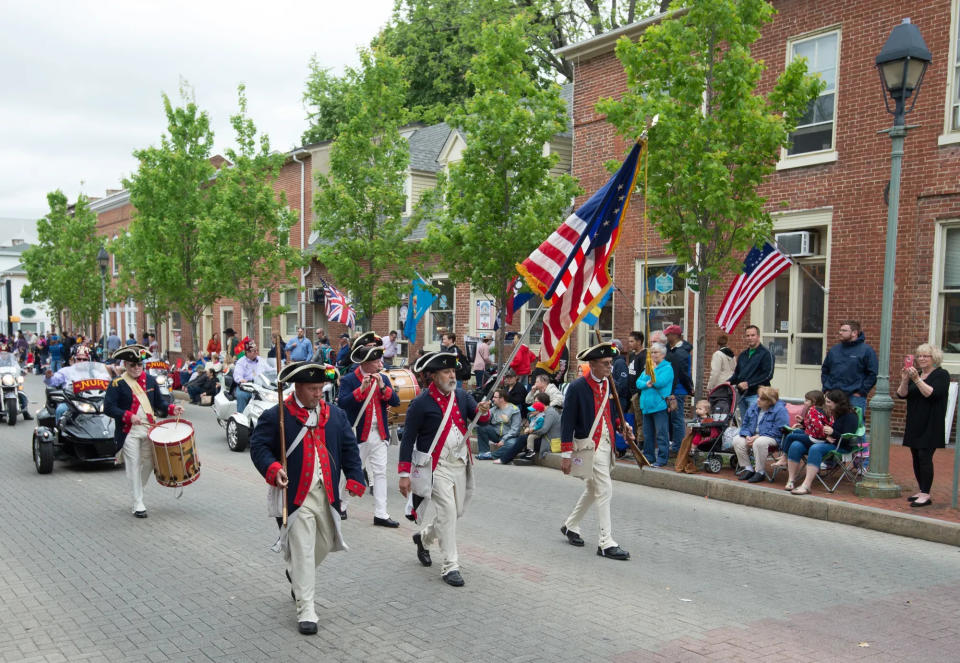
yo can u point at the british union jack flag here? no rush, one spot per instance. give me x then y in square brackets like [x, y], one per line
[338, 307]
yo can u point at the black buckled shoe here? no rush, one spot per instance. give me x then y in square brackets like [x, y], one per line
[422, 553]
[140, 514]
[343, 514]
[453, 578]
[572, 537]
[307, 628]
[613, 552]
[385, 522]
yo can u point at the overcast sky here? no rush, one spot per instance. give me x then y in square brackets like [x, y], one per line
[82, 79]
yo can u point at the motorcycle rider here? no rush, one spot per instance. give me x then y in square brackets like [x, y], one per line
[63, 379]
[246, 369]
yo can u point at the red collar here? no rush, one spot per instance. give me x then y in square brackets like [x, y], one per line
[301, 414]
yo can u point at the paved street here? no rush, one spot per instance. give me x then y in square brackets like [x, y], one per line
[83, 580]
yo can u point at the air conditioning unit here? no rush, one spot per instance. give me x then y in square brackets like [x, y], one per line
[316, 295]
[797, 244]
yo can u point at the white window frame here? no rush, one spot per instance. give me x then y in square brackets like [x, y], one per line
[640, 305]
[176, 332]
[951, 360]
[951, 135]
[788, 161]
[408, 195]
[429, 324]
[293, 313]
[113, 259]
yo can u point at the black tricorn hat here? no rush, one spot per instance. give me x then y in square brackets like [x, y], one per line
[229, 331]
[134, 352]
[436, 361]
[366, 353]
[598, 351]
[366, 338]
[307, 371]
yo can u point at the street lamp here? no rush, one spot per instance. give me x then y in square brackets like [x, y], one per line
[103, 259]
[902, 62]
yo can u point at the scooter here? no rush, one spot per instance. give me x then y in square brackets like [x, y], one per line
[239, 425]
[11, 382]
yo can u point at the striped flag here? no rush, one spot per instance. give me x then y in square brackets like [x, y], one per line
[761, 266]
[570, 270]
[338, 307]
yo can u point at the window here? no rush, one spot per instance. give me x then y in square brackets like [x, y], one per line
[131, 312]
[176, 325]
[291, 302]
[113, 259]
[408, 195]
[665, 303]
[948, 309]
[441, 310]
[952, 124]
[266, 328]
[814, 131]
[536, 331]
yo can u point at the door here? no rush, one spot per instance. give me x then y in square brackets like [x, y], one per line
[794, 315]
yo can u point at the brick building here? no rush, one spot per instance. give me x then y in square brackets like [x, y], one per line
[829, 187]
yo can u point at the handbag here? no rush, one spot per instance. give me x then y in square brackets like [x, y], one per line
[421, 463]
[206, 399]
[581, 460]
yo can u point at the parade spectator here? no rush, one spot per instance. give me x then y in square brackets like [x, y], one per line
[844, 420]
[621, 373]
[544, 427]
[131, 340]
[213, 345]
[925, 386]
[543, 385]
[21, 346]
[722, 363]
[679, 350]
[761, 429]
[811, 421]
[113, 342]
[343, 353]
[635, 349]
[448, 343]
[231, 342]
[55, 348]
[523, 360]
[206, 383]
[272, 352]
[391, 346]
[516, 392]
[67, 341]
[654, 390]
[154, 346]
[482, 361]
[300, 348]
[503, 430]
[754, 370]
[850, 365]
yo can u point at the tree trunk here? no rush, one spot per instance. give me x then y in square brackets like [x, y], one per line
[194, 328]
[703, 285]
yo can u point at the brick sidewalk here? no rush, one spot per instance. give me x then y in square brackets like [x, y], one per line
[901, 468]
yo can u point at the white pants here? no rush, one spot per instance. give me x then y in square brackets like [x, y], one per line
[446, 501]
[138, 463]
[761, 447]
[373, 455]
[598, 488]
[311, 535]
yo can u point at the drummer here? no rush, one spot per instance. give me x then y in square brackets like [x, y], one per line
[371, 422]
[133, 401]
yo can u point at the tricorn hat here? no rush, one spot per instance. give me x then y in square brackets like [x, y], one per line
[135, 352]
[366, 353]
[436, 361]
[307, 371]
[598, 351]
[366, 338]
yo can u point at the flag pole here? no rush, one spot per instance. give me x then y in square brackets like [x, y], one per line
[506, 364]
[283, 437]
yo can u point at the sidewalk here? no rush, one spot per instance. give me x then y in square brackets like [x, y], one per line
[938, 522]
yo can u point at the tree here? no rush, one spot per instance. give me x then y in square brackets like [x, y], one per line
[360, 203]
[717, 138]
[250, 224]
[500, 201]
[324, 101]
[174, 199]
[62, 267]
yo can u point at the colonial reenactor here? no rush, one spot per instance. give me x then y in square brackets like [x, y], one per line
[587, 436]
[436, 427]
[133, 400]
[319, 443]
[364, 396]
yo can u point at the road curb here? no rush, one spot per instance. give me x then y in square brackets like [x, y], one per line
[809, 506]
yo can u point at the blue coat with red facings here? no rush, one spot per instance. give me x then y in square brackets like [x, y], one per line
[579, 412]
[341, 445]
[422, 421]
[351, 398]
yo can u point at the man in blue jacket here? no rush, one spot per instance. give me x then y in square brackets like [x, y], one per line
[851, 365]
[678, 353]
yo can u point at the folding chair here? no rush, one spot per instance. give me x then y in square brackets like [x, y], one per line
[793, 410]
[848, 459]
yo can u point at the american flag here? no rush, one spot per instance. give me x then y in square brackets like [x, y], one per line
[338, 307]
[571, 269]
[761, 266]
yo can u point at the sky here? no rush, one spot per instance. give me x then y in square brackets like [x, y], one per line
[82, 80]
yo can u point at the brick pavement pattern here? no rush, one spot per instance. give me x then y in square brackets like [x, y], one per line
[85, 581]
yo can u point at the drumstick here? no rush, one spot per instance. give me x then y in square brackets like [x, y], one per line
[283, 436]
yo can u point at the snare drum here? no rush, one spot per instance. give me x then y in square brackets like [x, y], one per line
[175, 460]
[404, 382]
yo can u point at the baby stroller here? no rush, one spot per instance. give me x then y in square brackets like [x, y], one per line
[708, 435]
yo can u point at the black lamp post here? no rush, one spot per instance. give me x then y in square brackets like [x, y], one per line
[103, 259]
[902, 63]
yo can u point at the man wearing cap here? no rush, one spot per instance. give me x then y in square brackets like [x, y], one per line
[436, 424]
[133, 400]
[232, 341]
[343, 353]
[365, 394]
[678, 352]
[319, 444]
[587, 423]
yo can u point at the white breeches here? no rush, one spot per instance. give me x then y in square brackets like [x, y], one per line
[138, 463]
[311, 534]
[446, 504]
[598, 488]
[373, 455]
